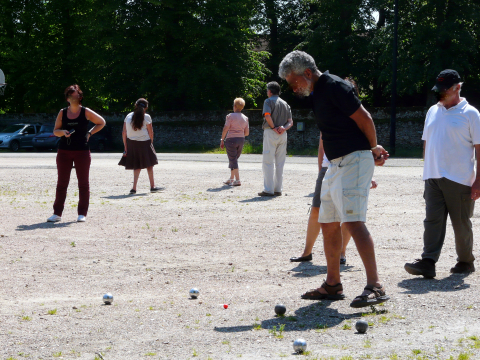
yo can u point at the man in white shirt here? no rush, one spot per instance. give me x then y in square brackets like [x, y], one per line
[451, 136]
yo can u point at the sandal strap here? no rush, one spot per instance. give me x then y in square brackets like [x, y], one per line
[332, 289]
[378, 291]
[375, 291]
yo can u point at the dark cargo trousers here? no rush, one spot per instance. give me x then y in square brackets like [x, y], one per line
[445, 197]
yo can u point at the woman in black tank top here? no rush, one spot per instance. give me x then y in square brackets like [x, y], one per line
[72, 126]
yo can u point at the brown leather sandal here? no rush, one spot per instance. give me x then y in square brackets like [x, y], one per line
[375, 296]
[332, 293]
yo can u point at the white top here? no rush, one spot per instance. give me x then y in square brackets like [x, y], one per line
[325, 161]
[137, 135]
[450, 137]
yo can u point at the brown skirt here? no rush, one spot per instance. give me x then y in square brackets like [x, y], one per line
[140, 155]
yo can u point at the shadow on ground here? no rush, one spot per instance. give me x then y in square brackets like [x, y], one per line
[44, 225]
[420, 285]
[315, 315]
[258, 199]
[118, 197]
[307, 269]
[221, 188]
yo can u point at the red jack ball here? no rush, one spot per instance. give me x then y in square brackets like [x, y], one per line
[225, 306]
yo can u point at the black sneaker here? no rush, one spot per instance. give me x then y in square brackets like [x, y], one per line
[155, 189]
[421, 267]
[463, 268]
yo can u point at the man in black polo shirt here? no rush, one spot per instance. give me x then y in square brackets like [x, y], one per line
[349, 140]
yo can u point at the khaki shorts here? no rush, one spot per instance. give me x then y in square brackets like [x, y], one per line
[345, 188]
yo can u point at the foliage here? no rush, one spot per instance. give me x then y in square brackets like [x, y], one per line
[199, 55]
[180, 54]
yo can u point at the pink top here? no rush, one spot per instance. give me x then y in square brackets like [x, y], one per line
[236, 123]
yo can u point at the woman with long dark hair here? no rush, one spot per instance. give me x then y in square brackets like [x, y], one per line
[138, 142]
[72, 127]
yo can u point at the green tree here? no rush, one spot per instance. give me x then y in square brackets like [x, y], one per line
[181, 54]
[433, 35]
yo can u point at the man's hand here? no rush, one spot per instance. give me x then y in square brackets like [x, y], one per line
[380, 161]
[475, 194]
[379, 152]
[280, 130]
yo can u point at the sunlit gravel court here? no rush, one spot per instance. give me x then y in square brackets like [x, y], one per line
[149, 250]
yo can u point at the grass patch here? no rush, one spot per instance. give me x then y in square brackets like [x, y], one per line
[52, 312]
[278, 335]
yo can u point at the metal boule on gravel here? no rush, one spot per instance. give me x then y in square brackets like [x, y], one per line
[361, 326]
[280, 309]
[194, 293]
[108, 298]
[299, 346]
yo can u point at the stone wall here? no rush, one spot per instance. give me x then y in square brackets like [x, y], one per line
[178, 128]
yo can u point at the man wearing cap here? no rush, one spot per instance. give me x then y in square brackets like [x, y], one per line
[451, 136]
[277, 120]
[349, 140]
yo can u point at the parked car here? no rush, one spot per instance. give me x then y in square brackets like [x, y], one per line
[47, 140]
[18, 136]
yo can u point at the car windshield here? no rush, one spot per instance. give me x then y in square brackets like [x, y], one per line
[46, 129]
[13, 128]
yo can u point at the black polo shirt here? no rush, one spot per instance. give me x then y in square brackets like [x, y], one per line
[333, 101]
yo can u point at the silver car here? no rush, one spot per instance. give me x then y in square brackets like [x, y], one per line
[18, 136]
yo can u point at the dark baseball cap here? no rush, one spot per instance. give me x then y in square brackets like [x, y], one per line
[446, 79]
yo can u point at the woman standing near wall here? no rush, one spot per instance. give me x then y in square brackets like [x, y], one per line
[138, 142]
[71, 126]
[236, 125]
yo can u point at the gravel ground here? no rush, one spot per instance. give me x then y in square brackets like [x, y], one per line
[148, 250]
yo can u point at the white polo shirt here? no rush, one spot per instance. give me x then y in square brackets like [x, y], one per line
[450, 136]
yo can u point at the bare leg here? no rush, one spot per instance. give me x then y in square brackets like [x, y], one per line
[136, 174]
[346, 236]
[150, 176]
[313, 229]
[332, 244]
[364, 242]
[235, 174]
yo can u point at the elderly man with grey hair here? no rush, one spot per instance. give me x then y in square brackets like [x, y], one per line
[278, 119]
[349, 140]
[451, 137]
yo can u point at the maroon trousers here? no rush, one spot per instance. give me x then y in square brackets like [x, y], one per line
[65, 161]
